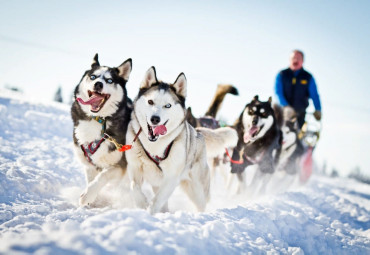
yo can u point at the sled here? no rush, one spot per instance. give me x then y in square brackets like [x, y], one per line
[309, 135]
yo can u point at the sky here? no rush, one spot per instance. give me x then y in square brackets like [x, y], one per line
[47, 44]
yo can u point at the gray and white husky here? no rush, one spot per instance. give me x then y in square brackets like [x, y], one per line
[101, 112]
[167, 150]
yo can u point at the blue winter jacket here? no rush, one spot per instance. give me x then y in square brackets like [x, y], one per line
[294, 88]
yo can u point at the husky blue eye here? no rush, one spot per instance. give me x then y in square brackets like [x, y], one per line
[92, 77]
[110, 81]
[168, 106]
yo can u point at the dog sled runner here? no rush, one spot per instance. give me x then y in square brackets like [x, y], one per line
[309, 135]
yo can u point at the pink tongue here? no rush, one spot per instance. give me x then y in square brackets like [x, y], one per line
[248, 136]
[160, 130]
[92, 100]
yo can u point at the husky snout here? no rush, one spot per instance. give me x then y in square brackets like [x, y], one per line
[255, 120]
[155, 119]
[98, 86]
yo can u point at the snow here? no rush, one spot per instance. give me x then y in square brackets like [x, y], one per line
[41, 180]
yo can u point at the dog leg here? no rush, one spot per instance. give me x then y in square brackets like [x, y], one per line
[165, 206]
[195, 194]
[90, 173]
[136, 181]
[253, 188]
[163, 194]
[98, 183]
[265, 181]
[198, 187]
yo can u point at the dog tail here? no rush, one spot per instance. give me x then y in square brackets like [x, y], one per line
[222, 90]
[218, 139]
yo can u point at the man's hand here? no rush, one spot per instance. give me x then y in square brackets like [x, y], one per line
[317, 115]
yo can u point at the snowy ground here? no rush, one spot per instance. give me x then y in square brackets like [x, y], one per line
[40, 182]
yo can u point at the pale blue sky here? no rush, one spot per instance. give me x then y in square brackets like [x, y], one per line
[44, 44]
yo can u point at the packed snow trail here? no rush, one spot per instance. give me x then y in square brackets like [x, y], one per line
[40, 183]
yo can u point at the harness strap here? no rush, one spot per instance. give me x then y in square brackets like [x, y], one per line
[156, 159]
[91, 148]
[238, 162]
[249, 159]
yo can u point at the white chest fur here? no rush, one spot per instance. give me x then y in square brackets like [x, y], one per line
[88, 131]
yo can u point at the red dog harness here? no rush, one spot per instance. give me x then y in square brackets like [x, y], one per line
[156, 159]
[91, 148]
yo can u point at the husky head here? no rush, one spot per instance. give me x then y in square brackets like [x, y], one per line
[160, 107]
[257, 119]
[290, 128]
[102, 89]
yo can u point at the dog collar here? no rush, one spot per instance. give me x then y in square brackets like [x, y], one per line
[156, 159]
[102, 121]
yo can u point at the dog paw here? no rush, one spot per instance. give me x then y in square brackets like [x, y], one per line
[151, 210]
[87, 198]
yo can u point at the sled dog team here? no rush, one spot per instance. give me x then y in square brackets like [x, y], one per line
[158, 141]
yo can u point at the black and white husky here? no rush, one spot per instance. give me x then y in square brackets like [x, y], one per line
[259, 140]
[101, 112]
[167, 150]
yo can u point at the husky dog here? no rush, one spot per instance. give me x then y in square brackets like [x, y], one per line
[292, 148]
[259, 139]
[167, 150]
[101, 112]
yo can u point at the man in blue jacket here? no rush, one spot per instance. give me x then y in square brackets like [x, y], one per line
[294, 86]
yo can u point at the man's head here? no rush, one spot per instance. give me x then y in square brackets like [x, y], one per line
[296, 60]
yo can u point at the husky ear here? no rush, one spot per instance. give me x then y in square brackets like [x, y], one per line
[150, 78]
[180, 85]
[255, 98]
[125, 69]
[270, 100]
[95, 62]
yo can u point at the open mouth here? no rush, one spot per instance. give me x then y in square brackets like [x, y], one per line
[155, 131]
[96, 100]
[251, 134]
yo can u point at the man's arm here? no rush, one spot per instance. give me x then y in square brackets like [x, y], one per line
[279, 90]
[314, 95]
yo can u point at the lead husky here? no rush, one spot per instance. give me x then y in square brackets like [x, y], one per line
[167, 150]
[101, 111]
